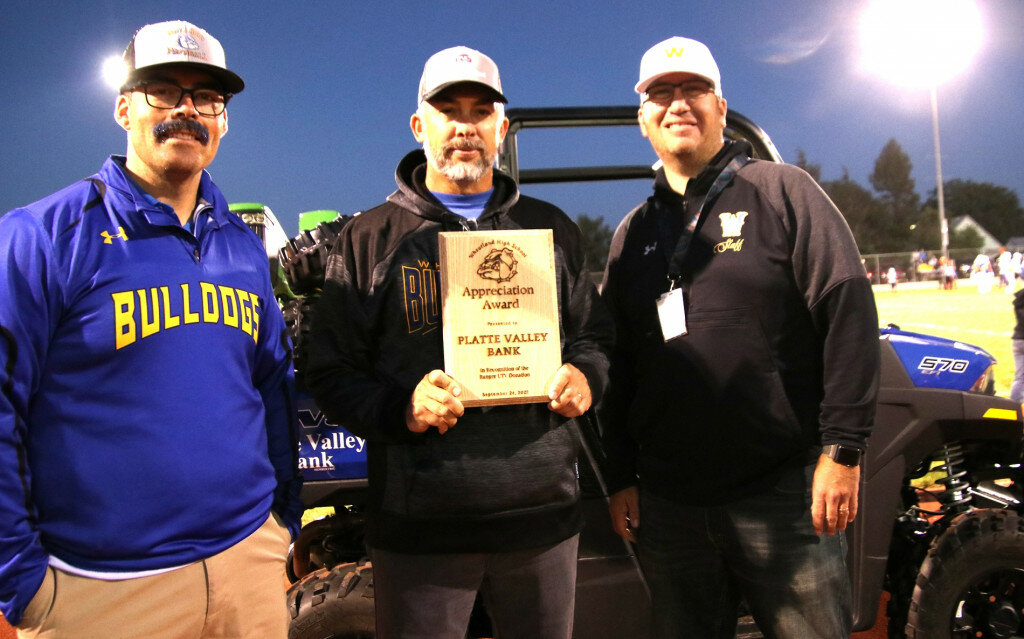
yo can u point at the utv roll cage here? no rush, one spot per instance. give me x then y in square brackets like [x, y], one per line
[738, 127]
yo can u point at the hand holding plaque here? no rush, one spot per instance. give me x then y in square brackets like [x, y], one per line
[569, 392]
[434, 403]
[500, 314]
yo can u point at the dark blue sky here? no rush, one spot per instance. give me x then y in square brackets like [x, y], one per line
[331, 85]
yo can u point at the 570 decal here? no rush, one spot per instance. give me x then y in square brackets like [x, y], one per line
[942, 364]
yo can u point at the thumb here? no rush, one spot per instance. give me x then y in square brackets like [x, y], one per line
[558, 383]
[442, 380]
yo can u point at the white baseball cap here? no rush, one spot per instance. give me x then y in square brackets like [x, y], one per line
[678, 55]
[174, 43]
[458, 64]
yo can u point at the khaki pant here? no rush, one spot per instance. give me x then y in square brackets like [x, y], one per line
[237, 594]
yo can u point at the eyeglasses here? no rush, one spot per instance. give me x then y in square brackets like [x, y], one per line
[167, 95]
[665, 94]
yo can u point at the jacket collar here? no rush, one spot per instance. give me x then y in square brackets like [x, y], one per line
[698, 186]
[210, 202]
[414, 196]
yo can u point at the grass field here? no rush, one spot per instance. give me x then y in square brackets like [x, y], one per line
[983, 320]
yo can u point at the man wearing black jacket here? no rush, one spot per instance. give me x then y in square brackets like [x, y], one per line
[744, 377]
[461, 499]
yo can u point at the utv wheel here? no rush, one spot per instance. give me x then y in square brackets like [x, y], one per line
[972, 581]
[333, 604]
[296, 313]
[304, 257]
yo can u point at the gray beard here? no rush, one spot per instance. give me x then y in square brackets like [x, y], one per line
[459, 172]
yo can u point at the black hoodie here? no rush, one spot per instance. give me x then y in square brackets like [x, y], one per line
[502, 478]
[782, 352]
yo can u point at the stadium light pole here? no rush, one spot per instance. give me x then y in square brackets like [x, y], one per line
[943, 225]
[921, 44]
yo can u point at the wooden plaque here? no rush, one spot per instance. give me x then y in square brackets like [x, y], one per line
[500, 314]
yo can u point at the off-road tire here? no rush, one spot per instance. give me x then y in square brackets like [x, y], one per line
[297, 313]
[304, 257]
[907, 551]
[333, 604]
[979, 561]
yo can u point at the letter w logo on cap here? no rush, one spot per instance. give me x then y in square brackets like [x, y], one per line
[674, 52]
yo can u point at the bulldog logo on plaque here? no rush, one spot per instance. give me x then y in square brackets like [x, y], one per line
[499, 265]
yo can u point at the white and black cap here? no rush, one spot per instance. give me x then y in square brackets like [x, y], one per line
[177, 43]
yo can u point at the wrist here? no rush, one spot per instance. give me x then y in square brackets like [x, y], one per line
[841, 454]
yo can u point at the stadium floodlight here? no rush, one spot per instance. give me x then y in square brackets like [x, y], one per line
[920, 44]
[114, 71]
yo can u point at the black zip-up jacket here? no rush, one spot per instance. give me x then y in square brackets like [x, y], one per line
[782, 352]
[503, 477]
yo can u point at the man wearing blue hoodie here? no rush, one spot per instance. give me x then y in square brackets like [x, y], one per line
[147, 474]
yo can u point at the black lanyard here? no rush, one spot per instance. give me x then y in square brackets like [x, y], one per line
[675, 266]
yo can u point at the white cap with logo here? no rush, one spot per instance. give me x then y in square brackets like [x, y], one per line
[458, 64]
[678, 55]
[174, 43]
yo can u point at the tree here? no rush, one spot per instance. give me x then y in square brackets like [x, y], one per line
[996, 208]
[966, 239]
[814, 170]
[927, 230]
[891, 179]
[597, 239]
[864, 214]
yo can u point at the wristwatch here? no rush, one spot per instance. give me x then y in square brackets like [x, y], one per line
[845, 455]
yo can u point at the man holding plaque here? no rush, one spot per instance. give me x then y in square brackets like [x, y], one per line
[461, 499]
[744, 378]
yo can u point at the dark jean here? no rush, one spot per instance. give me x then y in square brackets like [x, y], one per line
[529, 594]
[700, 562]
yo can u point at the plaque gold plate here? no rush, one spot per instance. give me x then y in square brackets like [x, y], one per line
[500, 314]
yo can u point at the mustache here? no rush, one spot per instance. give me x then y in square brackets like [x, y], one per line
[463, 145]
[164, 130]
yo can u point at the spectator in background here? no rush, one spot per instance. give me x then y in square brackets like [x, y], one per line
[891, 277]
[982, 274]
[949, 275]
[1004, 264]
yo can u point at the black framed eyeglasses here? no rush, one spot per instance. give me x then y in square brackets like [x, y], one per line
[663, 94]
[168, 95]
